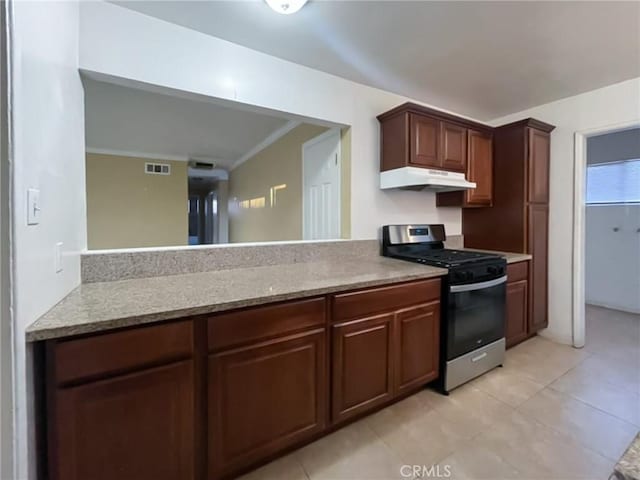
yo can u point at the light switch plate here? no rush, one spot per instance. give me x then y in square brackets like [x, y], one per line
[33, 206]
[58, 257]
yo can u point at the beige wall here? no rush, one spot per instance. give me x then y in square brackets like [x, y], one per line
[128, 208]
[278, 164]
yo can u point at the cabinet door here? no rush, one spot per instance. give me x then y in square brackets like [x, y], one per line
[362, 365]
[424, 142]
[131, 427]
[480, 169]
[453, 147]
[265, 397]
[417, 346]
[538, 233]
[517, 312]
[538, 168]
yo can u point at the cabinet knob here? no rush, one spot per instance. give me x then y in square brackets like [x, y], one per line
[616, 229]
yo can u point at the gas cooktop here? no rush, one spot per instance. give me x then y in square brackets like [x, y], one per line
[438, 257]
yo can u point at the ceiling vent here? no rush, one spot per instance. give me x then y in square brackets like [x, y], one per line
[157, 168]
[200, 165]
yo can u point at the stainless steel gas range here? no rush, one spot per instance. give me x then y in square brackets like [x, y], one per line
[473, 299]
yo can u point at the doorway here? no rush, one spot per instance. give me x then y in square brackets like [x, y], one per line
[203, 210]
[321, 161]
[606, 238]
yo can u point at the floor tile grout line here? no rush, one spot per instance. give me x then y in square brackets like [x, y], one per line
[595, 407]
[579, 441]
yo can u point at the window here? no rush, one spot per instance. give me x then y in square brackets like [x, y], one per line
[615, 182]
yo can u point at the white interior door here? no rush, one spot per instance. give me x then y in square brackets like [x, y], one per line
[321, 186]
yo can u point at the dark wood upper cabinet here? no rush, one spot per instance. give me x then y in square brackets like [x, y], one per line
[139, 426]
[417, 136]
[412, 135]
[538, 166]
[417, 349]
[362, 365]
[453, 147]
[480, 169]
[264, 398]
[424, 142]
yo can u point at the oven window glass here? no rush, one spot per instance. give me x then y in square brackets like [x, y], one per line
[475, 318]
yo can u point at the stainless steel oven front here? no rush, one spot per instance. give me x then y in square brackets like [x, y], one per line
[475, 324]
[476, 315]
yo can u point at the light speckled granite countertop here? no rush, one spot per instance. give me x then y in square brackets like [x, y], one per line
[103, 306]
[628, 468]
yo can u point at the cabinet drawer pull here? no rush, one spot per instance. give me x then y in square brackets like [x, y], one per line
[479, 357]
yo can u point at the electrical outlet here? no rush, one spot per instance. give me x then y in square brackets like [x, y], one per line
[58, 257]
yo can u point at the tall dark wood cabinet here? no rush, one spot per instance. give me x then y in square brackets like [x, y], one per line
[518, 220]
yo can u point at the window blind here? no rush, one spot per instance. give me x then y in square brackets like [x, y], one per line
[616, 182]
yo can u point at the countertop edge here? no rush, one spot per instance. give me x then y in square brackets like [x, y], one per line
[34, 333]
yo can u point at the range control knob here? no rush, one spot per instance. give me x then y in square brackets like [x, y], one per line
[495, 270]
[468, 275]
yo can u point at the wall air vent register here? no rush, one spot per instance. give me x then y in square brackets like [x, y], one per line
[157, 168]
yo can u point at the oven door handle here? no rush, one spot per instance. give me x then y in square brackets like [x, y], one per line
[477, 286]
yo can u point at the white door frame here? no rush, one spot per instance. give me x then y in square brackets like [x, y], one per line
[8, 454]
[579, 227]
[308, 143]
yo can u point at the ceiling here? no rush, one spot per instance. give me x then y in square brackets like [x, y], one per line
[482, 59]
[136, 121]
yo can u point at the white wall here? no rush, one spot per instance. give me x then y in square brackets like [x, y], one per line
[603, 107]
[48, 142]
[613, 254]
[612, 270]
[122, 43]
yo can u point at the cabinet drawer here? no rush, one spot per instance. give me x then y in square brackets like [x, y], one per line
[518, 271]
[259, 323]
[112, 353]
[375, 300]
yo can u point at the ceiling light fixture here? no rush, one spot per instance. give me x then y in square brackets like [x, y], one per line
[286, 7]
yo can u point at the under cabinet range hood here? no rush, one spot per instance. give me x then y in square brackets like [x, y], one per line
[415, 178]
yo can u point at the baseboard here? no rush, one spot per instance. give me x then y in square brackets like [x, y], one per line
[555, 337]
[613, 307]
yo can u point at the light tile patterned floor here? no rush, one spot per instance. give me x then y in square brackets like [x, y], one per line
[553, 412]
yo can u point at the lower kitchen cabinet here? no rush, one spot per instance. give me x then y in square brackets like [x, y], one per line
[517, 321]
[127, 426]
[264, 398]
[417, 346]
[212, 397]
[362, 365]
[377, 357]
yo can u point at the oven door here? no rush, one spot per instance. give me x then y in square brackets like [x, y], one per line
[476, 315]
